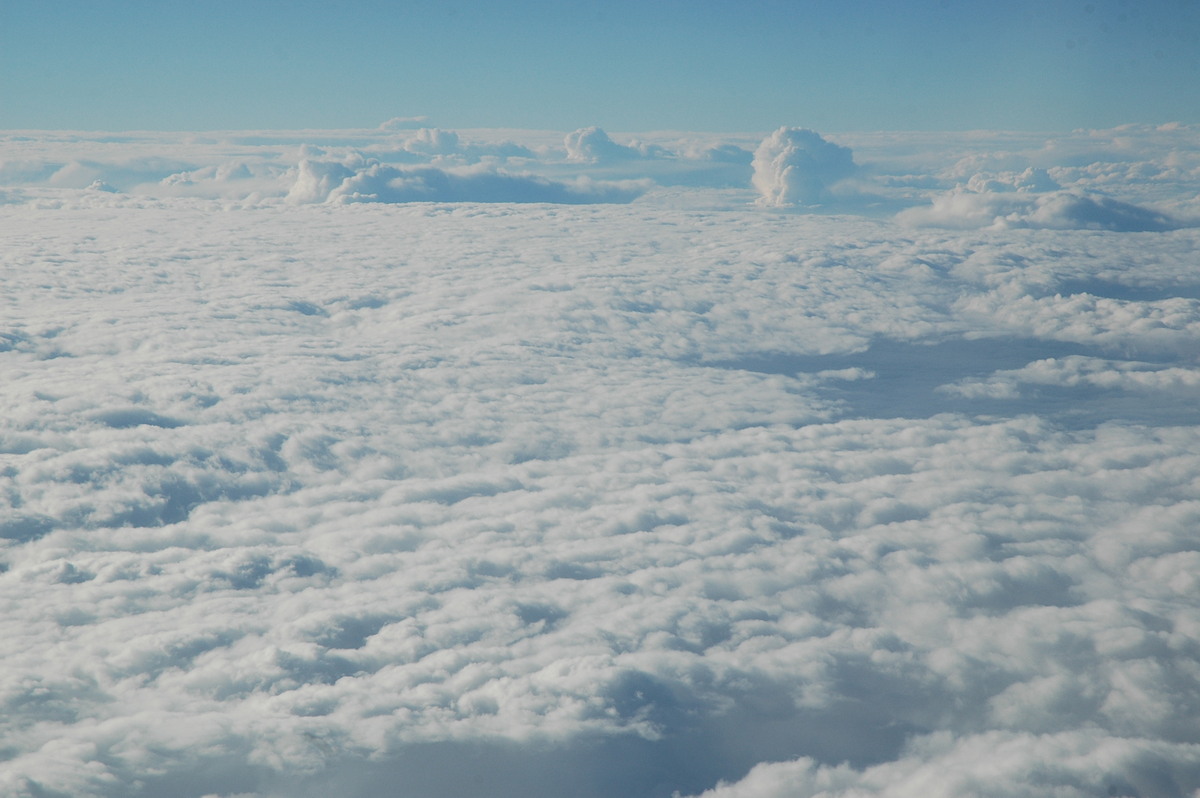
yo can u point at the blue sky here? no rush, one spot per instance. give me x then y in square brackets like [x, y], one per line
[721, 66]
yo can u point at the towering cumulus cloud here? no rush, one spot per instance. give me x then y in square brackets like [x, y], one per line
[795, 166]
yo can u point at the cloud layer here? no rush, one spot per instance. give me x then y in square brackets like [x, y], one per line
[354, 494]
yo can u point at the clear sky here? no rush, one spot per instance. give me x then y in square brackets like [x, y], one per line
[740, 65]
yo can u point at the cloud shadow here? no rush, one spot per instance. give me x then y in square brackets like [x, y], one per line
[907, 377]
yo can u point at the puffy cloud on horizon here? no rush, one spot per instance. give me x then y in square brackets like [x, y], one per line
[796, 166]
[335, 182]
[1027, 207]
[592, 145]
[1148, 167]
[445, 145]
[1032, 179]
[315, 179]
[403, 123]
[433, 141]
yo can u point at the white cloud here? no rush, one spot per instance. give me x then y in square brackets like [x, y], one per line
[1032, 179]
[1003, 765]
[316, 179]
[433, 141]
[1056, 210]
[796, 166]
[403, 123]
[320, 497]
[376, 182]
[1069, 211]
[592, 145]
[1078, 372]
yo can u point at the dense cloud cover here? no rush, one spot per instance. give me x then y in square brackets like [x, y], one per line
[344, 473]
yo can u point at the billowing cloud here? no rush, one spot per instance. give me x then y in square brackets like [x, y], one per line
[1066, 210]
[445, 145]
[334, 182]
[796, 166]
[592, 145]
[1031, 179]
[315, 179]
[433, 141]
[1056, 210]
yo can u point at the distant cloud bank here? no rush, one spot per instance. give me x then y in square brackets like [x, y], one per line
[1082, 180]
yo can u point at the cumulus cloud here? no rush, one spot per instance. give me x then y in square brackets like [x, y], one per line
[443, 146]
[725, 153]
[796, 166]
[334, 182]
[433, 141]
[592, 145]
[1032, 179]
[315, 179]
[1067, 211]
[1056, 210]
[236, 178]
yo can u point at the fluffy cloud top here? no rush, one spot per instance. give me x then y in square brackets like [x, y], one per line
[1032, 179]
[316, 179]
[433, 141]
[1056, 210]
[592, 145]
[796, 166]
[335, 182]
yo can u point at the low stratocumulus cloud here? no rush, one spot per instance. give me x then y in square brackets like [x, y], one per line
[385, 482]
[796, 166]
